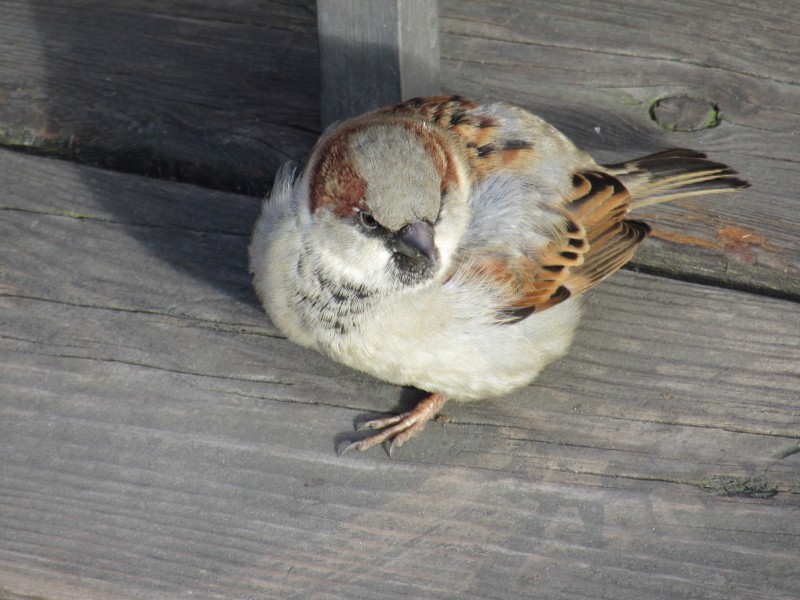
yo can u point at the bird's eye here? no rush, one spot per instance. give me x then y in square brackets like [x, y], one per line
[367, 220]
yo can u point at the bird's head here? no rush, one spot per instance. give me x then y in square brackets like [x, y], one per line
[383, 202]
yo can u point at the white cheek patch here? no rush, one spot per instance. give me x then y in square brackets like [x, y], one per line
[346, 253]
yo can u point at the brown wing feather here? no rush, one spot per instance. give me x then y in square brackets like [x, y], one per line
[596, 239]
[596, 242]
[673, 174]
[600, 203]
[534, 284]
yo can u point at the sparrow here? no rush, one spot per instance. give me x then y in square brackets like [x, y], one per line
[444, 243]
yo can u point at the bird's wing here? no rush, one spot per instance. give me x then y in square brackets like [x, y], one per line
[588, 240]
[580, 235]
[583, 235]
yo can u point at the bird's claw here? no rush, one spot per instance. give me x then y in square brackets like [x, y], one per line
[398, 428]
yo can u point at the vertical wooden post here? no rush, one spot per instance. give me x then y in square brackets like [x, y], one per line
[376, 52]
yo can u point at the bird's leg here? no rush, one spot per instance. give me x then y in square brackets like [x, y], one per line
[400, 428]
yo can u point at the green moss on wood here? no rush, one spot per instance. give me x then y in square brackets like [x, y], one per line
[684, 113]
[744, 487]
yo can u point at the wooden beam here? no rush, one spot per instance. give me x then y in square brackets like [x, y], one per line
[376, 52]
[158, 435]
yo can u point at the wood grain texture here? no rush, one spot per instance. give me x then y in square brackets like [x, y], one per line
[161, 438]
[374, 53]
[594, 69]
[219, 95]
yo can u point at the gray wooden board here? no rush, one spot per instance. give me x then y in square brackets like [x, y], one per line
[222, 96]
[160, 438]
[219, 94]
[594, 69]
[374, 53]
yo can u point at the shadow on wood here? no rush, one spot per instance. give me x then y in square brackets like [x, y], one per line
[376, 52]
[216, 97]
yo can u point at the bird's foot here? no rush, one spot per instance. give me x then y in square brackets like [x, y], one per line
[399, 428]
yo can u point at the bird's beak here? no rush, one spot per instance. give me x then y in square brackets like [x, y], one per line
[416, 240]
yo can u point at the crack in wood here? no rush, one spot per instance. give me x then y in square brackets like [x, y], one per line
[131, 224]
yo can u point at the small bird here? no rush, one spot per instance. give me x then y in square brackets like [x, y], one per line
[443, 243]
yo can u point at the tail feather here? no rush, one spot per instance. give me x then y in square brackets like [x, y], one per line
[673, 174]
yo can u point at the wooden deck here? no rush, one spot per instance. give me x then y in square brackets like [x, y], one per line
[160, 439]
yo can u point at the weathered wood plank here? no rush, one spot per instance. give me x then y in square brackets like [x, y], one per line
[196, 264]
[595, 71]
[376, 52]
[600, 64]
[160, 437]
[221, 97]
[192, 91]
[147, 494]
